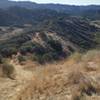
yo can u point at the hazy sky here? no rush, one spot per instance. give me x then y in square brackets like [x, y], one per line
[75, 2]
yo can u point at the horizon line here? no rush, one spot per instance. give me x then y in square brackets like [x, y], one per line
[92, 4]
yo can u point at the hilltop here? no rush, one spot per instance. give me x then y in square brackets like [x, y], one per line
[74, 78]
[49, 51]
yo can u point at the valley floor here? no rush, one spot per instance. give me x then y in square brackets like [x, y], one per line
[76, 78]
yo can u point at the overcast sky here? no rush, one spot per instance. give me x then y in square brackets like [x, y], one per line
[75, 2]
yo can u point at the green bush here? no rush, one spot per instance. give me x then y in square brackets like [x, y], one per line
[47, 57]
[31, 48]
[8, 71]
[8, 52]
[39, 50]
[26, 49]
[21, 58]
[38, 58]
[56, 45]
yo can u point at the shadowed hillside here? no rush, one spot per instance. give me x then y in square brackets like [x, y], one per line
[56, 37]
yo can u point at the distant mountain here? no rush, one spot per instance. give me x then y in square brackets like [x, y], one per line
[92, 11]
[20, 16]
[8, 3]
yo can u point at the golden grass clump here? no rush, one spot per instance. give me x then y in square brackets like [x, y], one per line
[8, 70]
[92, 55]
[82, 85]
[76, 57]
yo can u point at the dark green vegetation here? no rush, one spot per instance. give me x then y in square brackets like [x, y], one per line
[92, 11]
[47, 32]
[18, 16]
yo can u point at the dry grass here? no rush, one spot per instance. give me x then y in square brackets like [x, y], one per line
[82, 85]
[93, 55]
[75, 77]
[76, 57]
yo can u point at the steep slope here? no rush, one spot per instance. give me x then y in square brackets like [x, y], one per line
[74, 29]
[60, 37]
[44, 33]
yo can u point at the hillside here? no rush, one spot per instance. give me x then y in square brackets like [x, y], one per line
[18, 16]
[46, 34]
[49, 51]
[52, 38]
